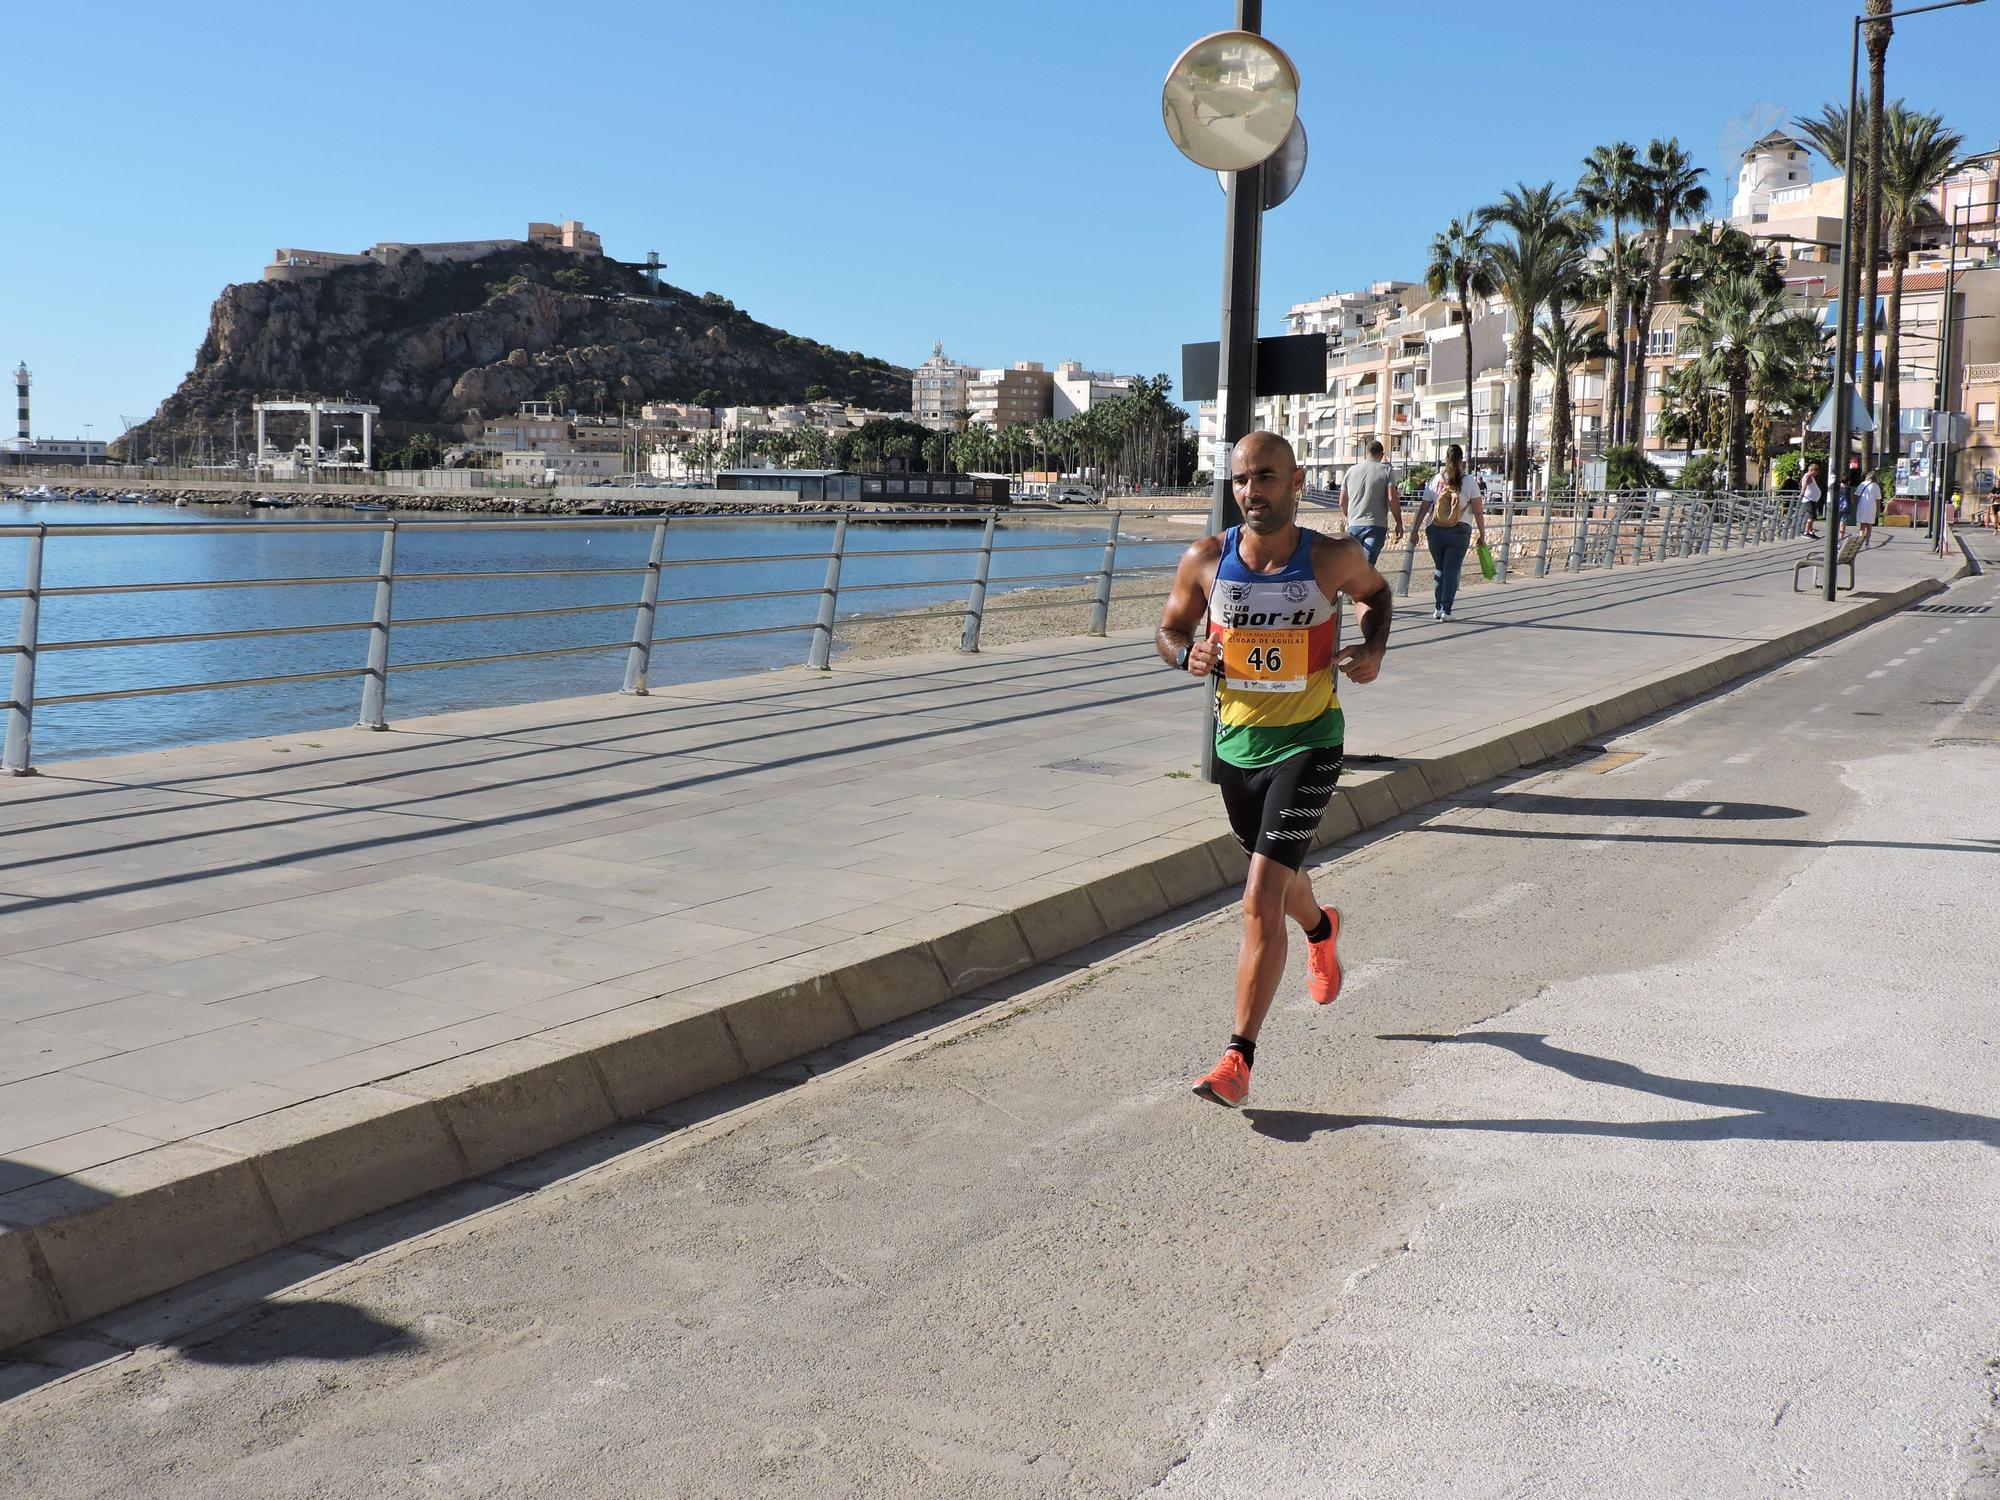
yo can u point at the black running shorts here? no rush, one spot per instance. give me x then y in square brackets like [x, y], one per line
[1275, 809]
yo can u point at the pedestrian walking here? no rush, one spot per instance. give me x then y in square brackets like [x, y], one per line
[1269, 589]
[1451, 495]
[1812, 494]
[1368, 496]
[1867, 506]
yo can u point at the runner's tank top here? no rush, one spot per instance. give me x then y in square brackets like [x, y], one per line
[1276, 631]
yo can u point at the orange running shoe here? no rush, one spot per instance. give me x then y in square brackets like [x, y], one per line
[1323, 963]
[1228, 1082]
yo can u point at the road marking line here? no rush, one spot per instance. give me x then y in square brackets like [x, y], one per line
[1749, 755]
[1714, 809]
[1689, 788]
[1896, 662]
[1929, 640]
[1499, 901]
[1878, 672]
[1979, 695]
[1819, 708]
[1612, 832]
[1854, 688]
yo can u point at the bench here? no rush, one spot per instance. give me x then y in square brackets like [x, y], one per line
[1850, 548]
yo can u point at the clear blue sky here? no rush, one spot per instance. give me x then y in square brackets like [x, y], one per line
[875, 174]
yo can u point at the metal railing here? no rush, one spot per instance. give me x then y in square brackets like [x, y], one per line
[1102, 540]
[1573, 533]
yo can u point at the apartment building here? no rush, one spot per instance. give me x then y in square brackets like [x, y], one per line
[1075, 390]
[940, 389]
[536, 427]
[1023, 392]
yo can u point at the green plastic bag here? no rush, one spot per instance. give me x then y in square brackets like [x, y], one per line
[1486, 568]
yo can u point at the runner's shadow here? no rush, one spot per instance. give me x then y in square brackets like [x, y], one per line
[1760, 1114]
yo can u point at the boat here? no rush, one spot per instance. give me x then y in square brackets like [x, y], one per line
[369, 505]
[268, 502]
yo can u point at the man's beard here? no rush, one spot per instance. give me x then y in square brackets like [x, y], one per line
[1276, 519]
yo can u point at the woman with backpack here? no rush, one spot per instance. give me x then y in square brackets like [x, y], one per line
[1449, 496]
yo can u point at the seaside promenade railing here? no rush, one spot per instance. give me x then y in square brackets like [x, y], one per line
[1591, 531]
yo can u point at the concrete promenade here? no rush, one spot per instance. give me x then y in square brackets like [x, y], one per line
[254, 990]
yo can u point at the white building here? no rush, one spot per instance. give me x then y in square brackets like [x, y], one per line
[1076, 389]
[1776, 164]
[940, 389]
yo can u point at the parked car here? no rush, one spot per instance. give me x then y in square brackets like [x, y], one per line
[1073, 494]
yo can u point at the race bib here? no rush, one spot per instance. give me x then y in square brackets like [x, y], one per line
[1265, 661]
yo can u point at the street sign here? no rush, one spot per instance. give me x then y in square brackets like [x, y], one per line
[1858, 420]
[1292, 364]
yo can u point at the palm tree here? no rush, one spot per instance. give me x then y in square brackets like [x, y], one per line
[1919, 153]
[1608, 189]
[1877, 35]
[1827, 132]
[1716, 250]
[1790, 382]
[1459, 262]
[1561, 347]
[1567, 233]
[1733, 328]
[1669, 191]
[1523, 269]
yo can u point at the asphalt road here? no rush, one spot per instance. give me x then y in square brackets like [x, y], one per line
[1650, 1150]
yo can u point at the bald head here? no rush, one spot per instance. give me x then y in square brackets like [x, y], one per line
[1264, 447]
[1266, 481]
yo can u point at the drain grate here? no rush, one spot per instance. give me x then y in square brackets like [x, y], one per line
[1951, 609]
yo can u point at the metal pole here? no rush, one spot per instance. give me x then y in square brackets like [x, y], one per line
[1843, 359]
[375, 680]
[1548, 520]
[975, 602]
[640, 658]
[1506, 533]
[21, 717]
[1100, 613]
[1617, 526]
[821, 651]
[1237, 357]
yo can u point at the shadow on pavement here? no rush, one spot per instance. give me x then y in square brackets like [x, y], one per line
[1763, 1114]
[1530, 803]
[326, 1331]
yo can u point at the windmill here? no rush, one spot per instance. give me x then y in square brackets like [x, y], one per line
[1742, 131]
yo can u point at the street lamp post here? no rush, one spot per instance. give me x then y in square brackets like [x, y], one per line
[1944, 405]
[1843, 372]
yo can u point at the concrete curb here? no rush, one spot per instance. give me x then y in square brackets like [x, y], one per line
[77, 1247]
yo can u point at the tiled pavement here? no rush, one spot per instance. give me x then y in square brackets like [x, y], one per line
[196, 937]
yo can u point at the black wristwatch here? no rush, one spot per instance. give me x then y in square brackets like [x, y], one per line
[1180, 661]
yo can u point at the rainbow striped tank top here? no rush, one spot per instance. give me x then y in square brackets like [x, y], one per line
[1276, 631]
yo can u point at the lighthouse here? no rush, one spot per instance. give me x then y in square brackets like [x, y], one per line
[21, 379]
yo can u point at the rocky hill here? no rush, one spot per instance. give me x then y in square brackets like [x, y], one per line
[437, 347]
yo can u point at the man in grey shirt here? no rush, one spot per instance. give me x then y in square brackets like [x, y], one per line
[1368, 495]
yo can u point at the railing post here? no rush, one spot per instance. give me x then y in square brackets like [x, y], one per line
[821, 652]
[1507, 534]
[1708, 526]
[375, 681]
[1617, 504]
[975, 602]
[1579, 542]
[639, 660]
[1100, 613]
[1409, 567]
[1548, 520]
[1639, 541]
[21, 717]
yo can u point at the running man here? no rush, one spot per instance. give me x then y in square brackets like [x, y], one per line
[1268, 588]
